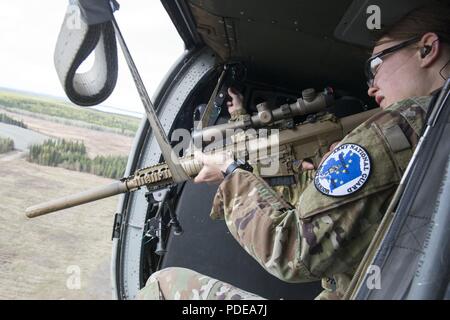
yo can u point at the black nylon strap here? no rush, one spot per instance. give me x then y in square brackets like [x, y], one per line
[98, 11]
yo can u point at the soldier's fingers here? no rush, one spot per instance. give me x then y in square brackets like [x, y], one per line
[306, 165]
[200, 178]
[233, 93]
[324, 157]
[334, 145]
[214, 178]
[209, 176]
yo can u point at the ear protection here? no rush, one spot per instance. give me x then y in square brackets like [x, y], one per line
[425, 51]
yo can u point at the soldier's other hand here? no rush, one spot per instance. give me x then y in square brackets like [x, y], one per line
[213, 166]
[307, 165]
[236, 102]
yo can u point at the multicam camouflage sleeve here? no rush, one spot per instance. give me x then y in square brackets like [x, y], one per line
[327, 233]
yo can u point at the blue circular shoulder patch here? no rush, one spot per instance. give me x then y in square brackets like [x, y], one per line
[344, 171]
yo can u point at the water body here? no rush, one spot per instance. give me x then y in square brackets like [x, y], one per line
[109, 109]
[23, 138]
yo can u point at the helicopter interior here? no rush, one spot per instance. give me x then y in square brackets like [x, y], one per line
[283, 47]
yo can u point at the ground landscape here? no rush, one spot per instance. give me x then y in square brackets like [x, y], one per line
[40, 257]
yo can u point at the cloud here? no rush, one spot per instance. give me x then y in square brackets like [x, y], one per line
[28, 33]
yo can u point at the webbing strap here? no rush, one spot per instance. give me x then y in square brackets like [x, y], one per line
[399, 144]
[76, 41]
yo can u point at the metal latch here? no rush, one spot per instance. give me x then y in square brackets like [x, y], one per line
[116, 226]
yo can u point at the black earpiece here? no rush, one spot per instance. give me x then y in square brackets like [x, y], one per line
[425, 51]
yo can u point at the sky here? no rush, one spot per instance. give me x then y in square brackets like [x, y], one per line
[28, 34]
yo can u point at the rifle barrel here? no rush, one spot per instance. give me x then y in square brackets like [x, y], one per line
[77, 199]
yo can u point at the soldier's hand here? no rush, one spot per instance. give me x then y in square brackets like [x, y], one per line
[236, 102]
[306, 165]
[213, 166]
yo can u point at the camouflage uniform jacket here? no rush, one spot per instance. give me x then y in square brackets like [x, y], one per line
[323, 237]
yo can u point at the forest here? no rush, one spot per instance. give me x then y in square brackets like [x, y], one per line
[22, 103]
[6, 145]
[72, 155]
[8, 120]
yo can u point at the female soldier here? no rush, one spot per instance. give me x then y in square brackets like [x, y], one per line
[338, 213]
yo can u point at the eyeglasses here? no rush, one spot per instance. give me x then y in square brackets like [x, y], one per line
[374, 62]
